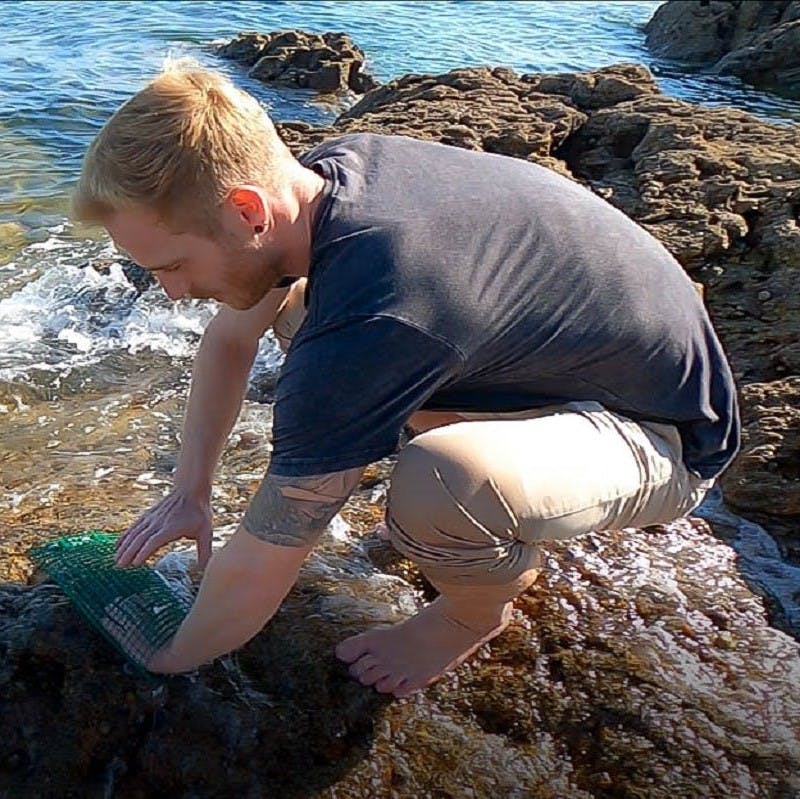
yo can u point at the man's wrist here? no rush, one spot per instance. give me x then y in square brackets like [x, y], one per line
[199, 490]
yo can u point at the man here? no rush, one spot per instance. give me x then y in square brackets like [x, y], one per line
[555, 361]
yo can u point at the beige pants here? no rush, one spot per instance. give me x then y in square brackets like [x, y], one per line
[470, 501]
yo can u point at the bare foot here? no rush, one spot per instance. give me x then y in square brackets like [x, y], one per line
[407, 657]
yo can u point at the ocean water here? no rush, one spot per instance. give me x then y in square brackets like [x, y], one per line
[65, 66]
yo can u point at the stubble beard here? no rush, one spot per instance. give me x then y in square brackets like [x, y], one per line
[253, 273]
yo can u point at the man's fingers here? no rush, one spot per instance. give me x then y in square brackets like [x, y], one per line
[150, 544]
[131, 545]
[133, 530]
[146, 520]
[146, 542]
[139, 527]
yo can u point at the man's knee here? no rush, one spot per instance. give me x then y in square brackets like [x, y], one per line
[448, 513]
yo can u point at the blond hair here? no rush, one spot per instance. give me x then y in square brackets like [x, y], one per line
[178, 147]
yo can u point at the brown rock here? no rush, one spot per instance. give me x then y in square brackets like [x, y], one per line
[757, 41]
[328, 62]
[478, 109]
[765, 479]
[631, 668]
[245, 47]
[771, 59]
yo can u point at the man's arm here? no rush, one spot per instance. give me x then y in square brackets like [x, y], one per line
[247, 580]
[219, 380]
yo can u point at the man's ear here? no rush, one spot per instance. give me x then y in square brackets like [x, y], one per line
[249, 207]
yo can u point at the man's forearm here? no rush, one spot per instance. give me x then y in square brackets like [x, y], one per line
[248, 578]
[219, 381]
[243, 586]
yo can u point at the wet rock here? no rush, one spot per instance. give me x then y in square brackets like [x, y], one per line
[245, 48]
[757, 41]
[12, 239]
[327, 62]
[638, 665]
[139, 278]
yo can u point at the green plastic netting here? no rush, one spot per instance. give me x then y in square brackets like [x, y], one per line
[135, 608]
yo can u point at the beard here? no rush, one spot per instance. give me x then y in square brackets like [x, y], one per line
[249, 275]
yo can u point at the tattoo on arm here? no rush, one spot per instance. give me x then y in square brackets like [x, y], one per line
[293, 511]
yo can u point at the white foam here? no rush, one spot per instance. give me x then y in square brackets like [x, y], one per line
[66, 315]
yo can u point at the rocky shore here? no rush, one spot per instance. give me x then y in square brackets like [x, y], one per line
[641, 663]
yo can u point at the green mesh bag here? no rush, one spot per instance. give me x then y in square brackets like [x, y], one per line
[135, 608]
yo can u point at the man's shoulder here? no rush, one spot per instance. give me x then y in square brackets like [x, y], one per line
[378, 144]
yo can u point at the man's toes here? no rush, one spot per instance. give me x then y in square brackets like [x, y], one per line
[351, 649]
[374, 675]
[362, 665]
[410, 686]
[368, 670]
[390, 683]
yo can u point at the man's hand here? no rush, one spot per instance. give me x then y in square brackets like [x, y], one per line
[178, 515]
[242, 587]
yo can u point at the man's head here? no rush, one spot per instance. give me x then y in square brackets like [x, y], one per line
[187, 177]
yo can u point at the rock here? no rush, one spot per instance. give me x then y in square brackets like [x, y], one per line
[771, 60]
[764, 481]
[246, 48]
[757, 41]
[12, 239]
[630, 668]
[478, 109]
[139, 278]
[327, 62]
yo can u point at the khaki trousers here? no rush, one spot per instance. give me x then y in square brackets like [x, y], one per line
[471, 501]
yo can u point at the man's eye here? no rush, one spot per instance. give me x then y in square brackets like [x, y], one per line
[173, 268]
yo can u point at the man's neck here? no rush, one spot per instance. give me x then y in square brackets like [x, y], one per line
[303, 199]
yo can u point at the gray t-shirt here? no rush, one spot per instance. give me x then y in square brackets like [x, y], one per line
[453, 280]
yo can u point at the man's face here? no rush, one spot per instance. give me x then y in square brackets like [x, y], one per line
[228, 268]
